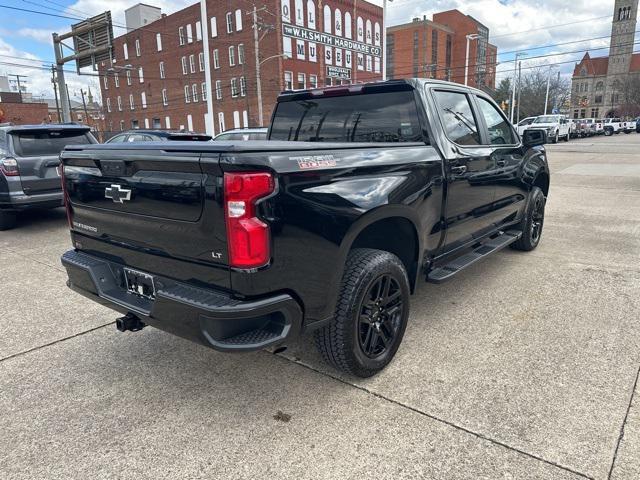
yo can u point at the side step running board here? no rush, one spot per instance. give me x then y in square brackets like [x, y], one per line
[445, 272]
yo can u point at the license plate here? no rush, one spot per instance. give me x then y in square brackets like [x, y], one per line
[139, 283]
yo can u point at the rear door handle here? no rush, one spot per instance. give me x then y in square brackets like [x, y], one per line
[459, 170]
[501, 163]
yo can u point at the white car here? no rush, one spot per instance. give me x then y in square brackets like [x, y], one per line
[629, 126]
[523, 124]
[556, 126]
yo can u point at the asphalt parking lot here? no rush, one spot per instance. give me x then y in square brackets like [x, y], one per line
[524, 366]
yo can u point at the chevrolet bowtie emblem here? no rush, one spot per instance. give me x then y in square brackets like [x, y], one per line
[117, 194]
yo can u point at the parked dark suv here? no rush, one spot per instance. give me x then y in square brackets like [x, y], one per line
[29, 160]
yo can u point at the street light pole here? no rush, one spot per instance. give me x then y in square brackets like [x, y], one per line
[515, 76]
[470, 37]
[384, 38]
[546, 98]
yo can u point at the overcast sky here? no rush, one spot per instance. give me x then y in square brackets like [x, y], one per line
[513, 25]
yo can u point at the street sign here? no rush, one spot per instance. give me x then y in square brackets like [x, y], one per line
[88, 38]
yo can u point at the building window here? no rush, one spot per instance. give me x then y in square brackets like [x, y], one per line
[128, 77]
[141, 75]
[138, 52]
[184, 65]
[238, 20]
[595, 112]
[598, 99]
[221, 121]
[201, 61]
[203, 89]
[143, 99]
[167, 122]
[194, 92]
[159, 41]
[288, 80]
[165, 100]
[155, 122]
[198, 31]
[161, 69]
[236, 119]
[187, 94]
[116, 80]
[192, 63]
[302, 81]
[216, 59]
[313, 81]
[214, 27]
[219, 89]
[125, 50]
[229, 22]
[189, 34]
[328, 82]
[119, 103]
[234, 87]
[232, 56]
[241, 54]
[181, 35]
[105, 82]
[131, 102]
[121, 125]
[134, 124]
[109, 105]
[243, 86]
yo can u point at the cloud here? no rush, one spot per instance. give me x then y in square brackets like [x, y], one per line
[38, 34]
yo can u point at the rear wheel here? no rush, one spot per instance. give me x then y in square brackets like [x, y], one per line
[371, 314]
[7, 220]
[532, 223]
[555, 138]
[608, 132]
[566, 139]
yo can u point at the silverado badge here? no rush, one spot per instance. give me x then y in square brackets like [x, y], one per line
[117, 193]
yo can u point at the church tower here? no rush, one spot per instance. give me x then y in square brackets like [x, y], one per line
[623, 29]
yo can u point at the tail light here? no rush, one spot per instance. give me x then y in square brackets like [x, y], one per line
[248, 237]
[9, 166]
[65, 194]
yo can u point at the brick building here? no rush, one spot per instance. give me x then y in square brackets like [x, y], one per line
[609, 86]
[14, 110]
[437, 49]
[157, 78]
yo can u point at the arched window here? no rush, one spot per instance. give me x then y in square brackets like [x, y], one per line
[368, 31]
[347, 25]
[327, 19]
[599, 86]
[360, 29]
[376, 34]
[337, 20]
[619, 14]
[311, 14]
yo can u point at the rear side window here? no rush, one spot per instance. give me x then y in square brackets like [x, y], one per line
[457, 117]
[500, 132]
[37, 143]
[374, 117]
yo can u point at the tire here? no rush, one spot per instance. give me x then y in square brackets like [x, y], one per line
[354, 340]
[7, 220]
[532, 223]
[566, 138]
[556, 138]
[608, 132]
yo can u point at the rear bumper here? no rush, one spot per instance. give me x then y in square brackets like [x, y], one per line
[209, 317]
[20, 201]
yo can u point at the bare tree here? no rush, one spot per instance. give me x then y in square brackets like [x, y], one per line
[629, 91]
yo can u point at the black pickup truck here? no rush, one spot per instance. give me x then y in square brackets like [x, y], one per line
[360, 192]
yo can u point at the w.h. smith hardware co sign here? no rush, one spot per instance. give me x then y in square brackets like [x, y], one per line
[301, 33]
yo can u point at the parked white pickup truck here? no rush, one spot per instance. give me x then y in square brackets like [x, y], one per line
[613, 125]
[556, 126]
[629, 126]
[524, 124]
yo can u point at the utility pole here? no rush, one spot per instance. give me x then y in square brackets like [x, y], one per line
[515, 76]
[256, 49]
[66, 89]
[519, 90]
[55, 91]
[546, 98]
[209, 124]
[62, 86]
[84, 105]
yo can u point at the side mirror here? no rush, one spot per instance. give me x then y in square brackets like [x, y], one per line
[534, 138]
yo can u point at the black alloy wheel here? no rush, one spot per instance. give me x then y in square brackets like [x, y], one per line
[380, 316]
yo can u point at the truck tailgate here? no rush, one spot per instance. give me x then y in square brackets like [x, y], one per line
[149, 201]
